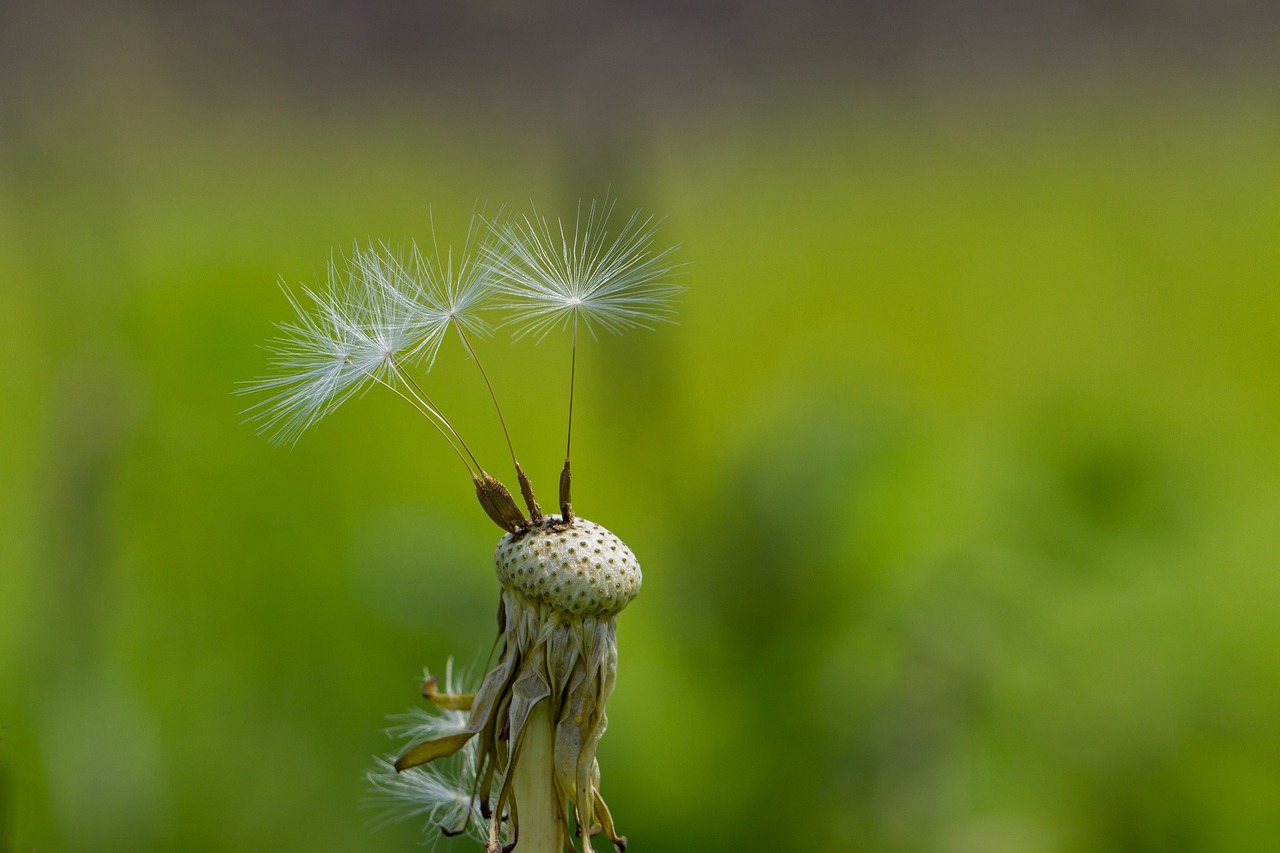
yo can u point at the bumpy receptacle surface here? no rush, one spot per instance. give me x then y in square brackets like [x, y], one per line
[581, 570]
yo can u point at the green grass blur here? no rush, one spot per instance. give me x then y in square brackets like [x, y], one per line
[956, 487]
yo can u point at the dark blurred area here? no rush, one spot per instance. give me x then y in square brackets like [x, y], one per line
[595, 73]
[954, 488]
[526, 54]
[603, 84]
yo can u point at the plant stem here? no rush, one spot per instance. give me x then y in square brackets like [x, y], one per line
[534, 786]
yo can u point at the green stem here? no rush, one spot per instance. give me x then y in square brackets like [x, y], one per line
[534, 787]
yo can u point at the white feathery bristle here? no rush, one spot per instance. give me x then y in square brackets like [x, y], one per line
[382, 309]
[552, 277]
[370, 317]
[428, 791]
[437, 292]
[441, 791]
[315, 367]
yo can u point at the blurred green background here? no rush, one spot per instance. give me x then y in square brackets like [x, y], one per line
[956, 488]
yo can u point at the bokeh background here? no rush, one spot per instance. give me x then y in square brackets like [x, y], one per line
[956, 487]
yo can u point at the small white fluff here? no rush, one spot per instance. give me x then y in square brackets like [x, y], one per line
[442, 791]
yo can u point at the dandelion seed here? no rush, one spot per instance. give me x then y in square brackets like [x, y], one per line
[560, 278]
[554, 277]
[357, 331]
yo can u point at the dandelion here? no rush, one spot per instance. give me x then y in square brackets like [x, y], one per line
[514, 762]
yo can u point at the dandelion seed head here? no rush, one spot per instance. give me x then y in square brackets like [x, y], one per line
[580, 570]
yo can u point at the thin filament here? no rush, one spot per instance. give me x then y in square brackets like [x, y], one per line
[493, 396]
[429, 412]
[573, 369]
[426, 401]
